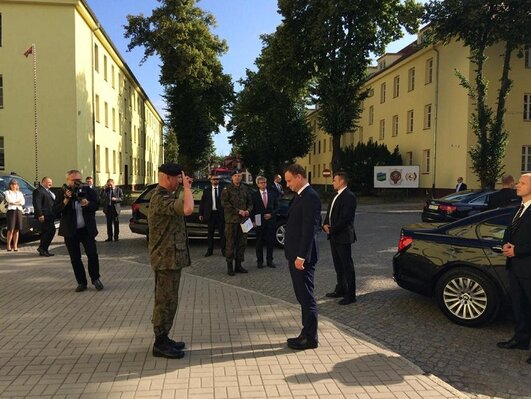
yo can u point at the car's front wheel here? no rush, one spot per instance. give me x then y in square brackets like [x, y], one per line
[3, 232]
[280, 233]
[467, 297]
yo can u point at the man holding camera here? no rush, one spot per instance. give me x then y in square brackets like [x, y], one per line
[76, 206]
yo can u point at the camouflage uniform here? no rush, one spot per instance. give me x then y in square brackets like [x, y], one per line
[233, 199]
[168, 250]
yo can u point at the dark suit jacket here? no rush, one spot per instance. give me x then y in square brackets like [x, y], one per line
[502, 198]
[462, 188]
[104, 198]
[520, 237]
[258, 205]
[205, 205]
[43, 204]
[67, 214]
[342, 219]
[303, 226]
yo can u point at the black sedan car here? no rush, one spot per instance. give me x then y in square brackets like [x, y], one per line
[456, 206]
[459, 263]
[197, 229]
[30, 226]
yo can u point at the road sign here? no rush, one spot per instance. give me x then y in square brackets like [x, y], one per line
[327, 173]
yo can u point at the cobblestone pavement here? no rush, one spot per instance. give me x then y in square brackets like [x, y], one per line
[55, 343]
[409, 324]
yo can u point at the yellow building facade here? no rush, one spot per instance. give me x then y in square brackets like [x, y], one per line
[417, 104]
[91, 113]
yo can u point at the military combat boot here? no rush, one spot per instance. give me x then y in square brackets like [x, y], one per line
[230, 268]
[239, 267]
[163, 348]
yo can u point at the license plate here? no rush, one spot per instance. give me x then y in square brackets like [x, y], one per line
[434, 207]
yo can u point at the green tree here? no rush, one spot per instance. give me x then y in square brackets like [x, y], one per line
[359, 163]
[269, 126]
[197, 92]
[171, 148]
[481, 24]
[325, 45]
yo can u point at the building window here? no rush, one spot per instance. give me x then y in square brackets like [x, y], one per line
[114, 161]
[409, 158]
[96, 58]
[527, 107]
[382, 129]
[527, 53]
[371, 114]
[0, 29]
[113, 119]
[105, 67]
[330, 144]
[429, 70]
[409, 122]
[2, 154]
[396, 86]
[97, 158]
[106, 113]
[319, 147]
[97, 108]
[382, 93]
[1, 92]
[313, 170]
[411, 79]
[395, 125]
[318, 170]
[107, 160]
[526, 158]
[426, 161]
[427, 116]
[112, 76]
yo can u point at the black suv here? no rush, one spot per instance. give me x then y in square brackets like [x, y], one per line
[30, 226]
[197, 229]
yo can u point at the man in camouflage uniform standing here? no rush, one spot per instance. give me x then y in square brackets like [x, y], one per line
[238, 204]
[168, 250]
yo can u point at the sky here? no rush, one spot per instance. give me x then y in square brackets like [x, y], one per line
[239, 22]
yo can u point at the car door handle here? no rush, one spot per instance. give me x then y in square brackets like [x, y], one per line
[497, 249]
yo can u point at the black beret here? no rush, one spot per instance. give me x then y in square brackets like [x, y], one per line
[171, 169]
[236, 172]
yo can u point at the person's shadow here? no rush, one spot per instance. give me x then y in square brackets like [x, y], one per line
[366, 370]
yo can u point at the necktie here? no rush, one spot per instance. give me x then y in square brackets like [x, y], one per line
[264, 198]
[517, 217]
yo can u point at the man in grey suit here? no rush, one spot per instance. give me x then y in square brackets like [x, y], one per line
[339, 225]
[302, 251]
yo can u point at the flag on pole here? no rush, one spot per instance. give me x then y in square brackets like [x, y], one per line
[28, 51]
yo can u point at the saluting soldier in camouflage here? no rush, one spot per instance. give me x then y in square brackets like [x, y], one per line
[238, 204]
[168, 250]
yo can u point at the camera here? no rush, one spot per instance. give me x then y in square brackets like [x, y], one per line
[78, 190]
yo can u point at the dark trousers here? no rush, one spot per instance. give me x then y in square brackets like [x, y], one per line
[520, 290]
[265, 235]
[166, 300]
[303, 284]
[74, 250]
[344, 266]
[235, 244]
[216, 222]
[112, 221]
[47, 234]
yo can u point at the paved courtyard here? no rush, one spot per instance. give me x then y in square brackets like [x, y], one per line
[390, 344]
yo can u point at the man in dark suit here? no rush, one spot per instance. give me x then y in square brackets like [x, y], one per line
[460, 186]
[302, 251]
[43, 199]
[76, 206]
[278, 186]
[211, 212]
[505, 196]
[265, 207]
[111, 198]
[517, 249]
[339, 225]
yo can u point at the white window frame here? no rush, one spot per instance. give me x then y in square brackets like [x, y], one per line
[410, 121]
[427, 116]
[396, 86]
[371, 114]
[383, 89]
[411, 79]
[527, 107]
[426, 161]
[395, 126]
[526, 159]
[429, 71]
[381, 130]
[527, 57]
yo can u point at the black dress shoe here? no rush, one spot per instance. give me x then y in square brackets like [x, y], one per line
[291, 340]
[303, 344]
[528, 361]
[346, 301]
[108, 240]
[513, 344]
[97, 284]
[260, 265]
[208, 253]
[49, 254]
[334, 294]
[115, 238]
[81, 287]
[241, 269]
[271, 264]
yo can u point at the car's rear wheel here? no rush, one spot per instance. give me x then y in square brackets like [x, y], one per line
[280, 233]
[467, 297]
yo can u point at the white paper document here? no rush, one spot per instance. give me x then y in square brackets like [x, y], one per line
[246, 225]
[258, 220]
